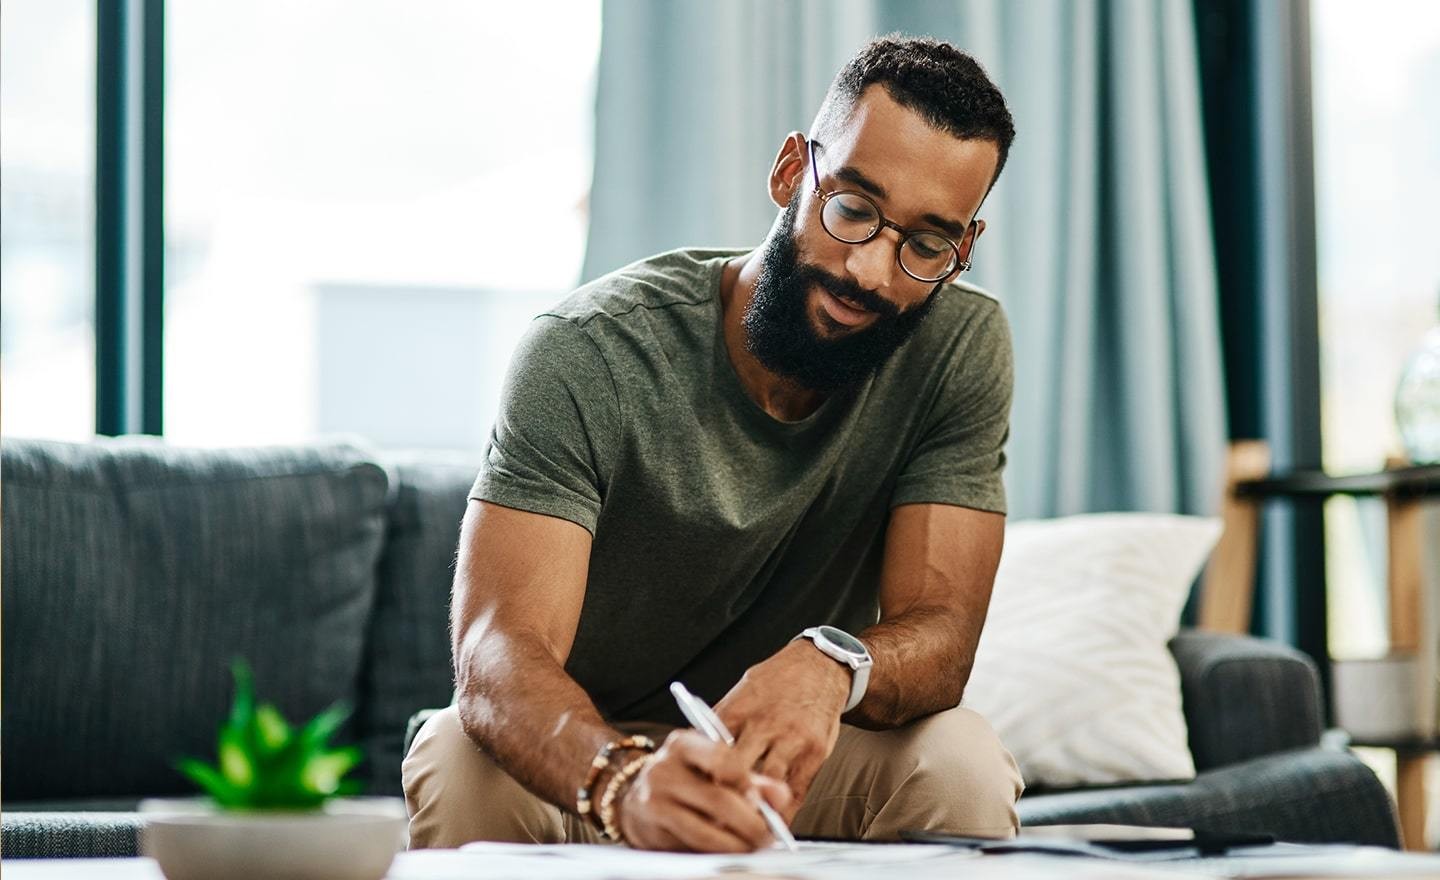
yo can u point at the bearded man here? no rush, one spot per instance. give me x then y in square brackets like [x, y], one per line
[774, 476]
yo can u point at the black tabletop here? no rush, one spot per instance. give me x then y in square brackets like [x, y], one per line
[1418, 481]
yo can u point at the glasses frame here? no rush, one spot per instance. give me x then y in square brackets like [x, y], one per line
[960, 262]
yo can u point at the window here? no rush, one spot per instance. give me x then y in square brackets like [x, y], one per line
[1377, 136]
[366, 202]
[47, 150]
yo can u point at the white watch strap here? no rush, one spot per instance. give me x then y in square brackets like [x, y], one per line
[859, 681]
[859, 667]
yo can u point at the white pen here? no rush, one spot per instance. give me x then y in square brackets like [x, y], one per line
[704, 719]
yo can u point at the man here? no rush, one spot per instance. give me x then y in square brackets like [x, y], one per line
[706, 455]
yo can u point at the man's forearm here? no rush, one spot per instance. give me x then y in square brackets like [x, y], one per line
[519, 704]
[922, 660]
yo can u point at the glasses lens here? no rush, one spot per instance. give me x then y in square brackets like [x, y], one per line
[928, 256]
[850, 217]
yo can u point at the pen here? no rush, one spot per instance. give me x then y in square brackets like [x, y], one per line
[704, 719]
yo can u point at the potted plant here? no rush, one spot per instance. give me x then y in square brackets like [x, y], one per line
[276, 804]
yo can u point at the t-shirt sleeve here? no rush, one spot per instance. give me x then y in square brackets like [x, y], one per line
[960, 456]
[556, 434]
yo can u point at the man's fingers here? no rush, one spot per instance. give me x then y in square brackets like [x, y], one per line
[728, 808]
[802, 772]
[775, 792]
[752, 745]
[718, 761]
[782, 756]
[697, 832]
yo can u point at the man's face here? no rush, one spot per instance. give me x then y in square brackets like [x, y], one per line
[825, 313]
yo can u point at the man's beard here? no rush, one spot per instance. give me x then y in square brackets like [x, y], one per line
[779, 332]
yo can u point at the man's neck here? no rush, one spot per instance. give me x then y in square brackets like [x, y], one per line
[778, 396]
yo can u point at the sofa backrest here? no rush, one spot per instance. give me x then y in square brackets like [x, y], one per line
[133, 573]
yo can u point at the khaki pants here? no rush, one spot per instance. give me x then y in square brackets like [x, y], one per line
[946, 772]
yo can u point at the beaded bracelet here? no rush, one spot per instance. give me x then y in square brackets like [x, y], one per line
[583, 797]
[621, 779]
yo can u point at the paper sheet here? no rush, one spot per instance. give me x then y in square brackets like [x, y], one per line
[831, 861]
[500, 861]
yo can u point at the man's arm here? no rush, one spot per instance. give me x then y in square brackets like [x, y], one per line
[519, 587]
[940, 563]
[939, 568]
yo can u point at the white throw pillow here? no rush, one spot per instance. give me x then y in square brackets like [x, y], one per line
[1072, 669]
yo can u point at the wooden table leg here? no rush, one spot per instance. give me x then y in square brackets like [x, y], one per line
[1227, 594]
[1407, 615]
[1404, 581]
[1410, 797]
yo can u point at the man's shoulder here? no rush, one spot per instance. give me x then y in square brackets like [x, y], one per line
[962, 297]
[966, 334]
[682, 277]
[963, 313]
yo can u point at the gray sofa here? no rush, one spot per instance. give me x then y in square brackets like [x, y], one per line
[134, 572]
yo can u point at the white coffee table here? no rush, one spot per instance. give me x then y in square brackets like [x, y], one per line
[453, 865]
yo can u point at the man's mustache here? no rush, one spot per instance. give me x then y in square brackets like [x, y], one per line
[843, 288]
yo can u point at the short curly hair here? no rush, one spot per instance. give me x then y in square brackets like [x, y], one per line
[947, 87]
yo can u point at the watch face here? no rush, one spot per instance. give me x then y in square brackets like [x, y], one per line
[843, 640]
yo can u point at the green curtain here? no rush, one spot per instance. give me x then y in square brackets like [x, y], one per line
[1099, 242]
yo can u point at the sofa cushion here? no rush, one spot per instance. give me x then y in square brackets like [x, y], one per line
[135, 572]
[66, 835]
[407, 664]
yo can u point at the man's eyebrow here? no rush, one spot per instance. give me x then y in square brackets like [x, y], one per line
[851, 174]
[854, 175]
[956, 230]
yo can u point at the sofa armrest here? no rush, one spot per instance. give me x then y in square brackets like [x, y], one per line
[1314, 795]
[1245, 697]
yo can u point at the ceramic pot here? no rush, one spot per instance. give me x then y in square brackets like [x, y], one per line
[346, 839]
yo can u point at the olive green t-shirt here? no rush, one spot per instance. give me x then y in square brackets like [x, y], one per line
[719, 531]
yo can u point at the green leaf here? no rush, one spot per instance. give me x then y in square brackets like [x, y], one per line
[350, 787]
[243, 706]
[270, 728]
[235, 761]
[322, 773]
[317, 733]
[211, 782]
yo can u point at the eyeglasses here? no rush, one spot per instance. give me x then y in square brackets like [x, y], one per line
[854, 218]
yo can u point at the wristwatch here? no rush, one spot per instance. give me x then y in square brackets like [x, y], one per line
[844, 648]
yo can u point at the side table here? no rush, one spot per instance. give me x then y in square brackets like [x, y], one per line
[1227, 596]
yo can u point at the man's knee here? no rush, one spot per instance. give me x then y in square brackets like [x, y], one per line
[455, 793]
[946, 772]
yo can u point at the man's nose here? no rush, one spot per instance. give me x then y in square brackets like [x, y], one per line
[872, 263]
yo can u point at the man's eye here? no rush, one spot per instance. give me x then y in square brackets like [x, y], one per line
[850, 212]
[925, 249]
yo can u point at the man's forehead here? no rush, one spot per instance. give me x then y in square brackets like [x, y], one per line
[918, 166]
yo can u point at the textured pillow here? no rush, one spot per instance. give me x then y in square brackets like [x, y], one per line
[1072, 668]
[134, 572]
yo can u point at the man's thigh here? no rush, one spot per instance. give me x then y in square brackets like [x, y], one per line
[945, 772]
[455, 793]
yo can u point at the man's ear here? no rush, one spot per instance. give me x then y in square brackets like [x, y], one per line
[788, 172]
[976, 228]
[967, 247]
[972, 234]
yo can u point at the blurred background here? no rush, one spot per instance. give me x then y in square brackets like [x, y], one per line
[271, 221]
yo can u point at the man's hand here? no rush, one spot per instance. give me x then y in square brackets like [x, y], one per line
[785, 714]
[698, 796]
